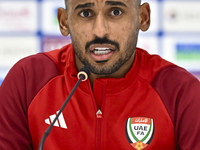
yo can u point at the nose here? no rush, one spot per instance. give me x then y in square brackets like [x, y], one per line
[100, 27]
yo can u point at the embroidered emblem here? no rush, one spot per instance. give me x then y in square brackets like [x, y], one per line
[139, 132]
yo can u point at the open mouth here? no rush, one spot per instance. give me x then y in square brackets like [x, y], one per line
[101, 51]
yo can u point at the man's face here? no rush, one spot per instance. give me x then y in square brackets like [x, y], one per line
[104, 33]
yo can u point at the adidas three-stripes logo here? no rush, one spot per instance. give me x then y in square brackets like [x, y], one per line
[59, 123]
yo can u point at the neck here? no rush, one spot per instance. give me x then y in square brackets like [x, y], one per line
[122, 71]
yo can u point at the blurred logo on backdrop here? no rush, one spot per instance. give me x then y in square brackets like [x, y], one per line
[181, 16]
[54, 42]
[185, 52]
[13, 48]
[18, 16]
[49, 17]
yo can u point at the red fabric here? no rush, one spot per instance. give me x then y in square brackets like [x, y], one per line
[17, 91]
[181, 95]
[130, 96]
[169, 92]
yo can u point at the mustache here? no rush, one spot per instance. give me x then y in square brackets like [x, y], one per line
[103, 40]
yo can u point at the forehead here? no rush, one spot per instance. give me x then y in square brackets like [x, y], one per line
[74, 3]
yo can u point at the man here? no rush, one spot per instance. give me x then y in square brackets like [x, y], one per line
[132, 100]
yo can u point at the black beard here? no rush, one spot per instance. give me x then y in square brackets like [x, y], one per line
[101, 69]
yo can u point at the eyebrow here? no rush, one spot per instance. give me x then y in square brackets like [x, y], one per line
[114, 3]
[86, 5]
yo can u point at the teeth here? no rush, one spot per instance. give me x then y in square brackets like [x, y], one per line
[101, 48]
[101, 51]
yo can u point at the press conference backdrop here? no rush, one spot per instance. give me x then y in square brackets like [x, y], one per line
[30, 26]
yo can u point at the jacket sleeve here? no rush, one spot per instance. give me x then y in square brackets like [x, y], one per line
[18, 89]
[14, 133]
[180, 93]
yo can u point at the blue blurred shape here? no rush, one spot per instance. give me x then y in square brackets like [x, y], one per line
[188, 51]
[1, 80]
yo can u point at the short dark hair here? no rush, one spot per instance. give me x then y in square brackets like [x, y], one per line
[135, 0]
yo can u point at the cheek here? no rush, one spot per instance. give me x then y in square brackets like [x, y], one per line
[123, 32]
[126, 34]
[79, 36]
[81, 32]
[123, 29]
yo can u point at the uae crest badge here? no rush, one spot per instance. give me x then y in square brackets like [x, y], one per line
[139, 132]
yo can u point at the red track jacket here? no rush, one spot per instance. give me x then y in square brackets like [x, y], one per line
[154, 107]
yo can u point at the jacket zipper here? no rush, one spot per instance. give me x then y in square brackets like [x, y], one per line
[99, 117]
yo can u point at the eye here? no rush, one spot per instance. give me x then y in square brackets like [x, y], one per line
[85, 13]
[116, 12]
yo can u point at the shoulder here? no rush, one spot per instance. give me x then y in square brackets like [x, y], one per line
[28, 76]
[175, 86]
[24, 80]
[37, 63]
[45, 61]
[180, 91]
[19, 87]
[34, 62]
[175, 77]
[150, 65]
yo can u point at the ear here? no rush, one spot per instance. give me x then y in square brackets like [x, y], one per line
[63, 22]
[144, 16]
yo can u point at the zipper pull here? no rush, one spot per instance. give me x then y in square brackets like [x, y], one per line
[99, 114]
